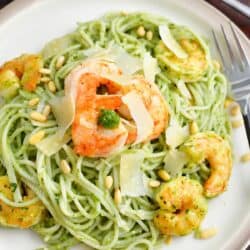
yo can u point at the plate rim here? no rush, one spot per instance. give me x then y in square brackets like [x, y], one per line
[12, 8]
[241, 237]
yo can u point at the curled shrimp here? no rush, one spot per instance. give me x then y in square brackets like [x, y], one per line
[211, 147]
[89, 138]
[182, 206]
[21, 217]
[154, 103]
[93, 140]
[189, 69]
[25, 68]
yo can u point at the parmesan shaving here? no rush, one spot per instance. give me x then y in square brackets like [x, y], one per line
[175, 134]
[150, 67]
[183, 89]
[171, 43]
[53, 143]
[140, 115]
[175, 161]
[125, 61]
[114, 53]
[63, 109]
[131, 175]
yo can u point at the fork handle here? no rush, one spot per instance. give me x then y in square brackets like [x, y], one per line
[246, 118]
[244, 103]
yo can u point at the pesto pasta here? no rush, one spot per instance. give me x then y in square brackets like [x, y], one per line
[78, 206]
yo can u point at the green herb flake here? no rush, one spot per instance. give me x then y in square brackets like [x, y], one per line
[13, 187]
[108, 119]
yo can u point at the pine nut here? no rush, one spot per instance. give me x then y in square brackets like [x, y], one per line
[52, 86]
[237, 124]
[60, 62]
[216, 65]
[154, 183]
[168, 240]
[38, 116]
[227, 103]
[193, 128]
[37, 137]
[245, 157]
[117, 196]
[33, 101]
[108, 181]
[141, 31]
[149, 35]
[163, 174]
[124, 13]
[207, 233]
[45, 79]
[46, 110]
[235, 110]
[45, 71]
[65, 167]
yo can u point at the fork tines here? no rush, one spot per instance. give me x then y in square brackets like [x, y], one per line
[237, 70]
[234, 60]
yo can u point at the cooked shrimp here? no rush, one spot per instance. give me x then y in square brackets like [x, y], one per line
[154, 103]
[21, 217]
[26, 68]
[211, 147]
[190, 68]
[182, 206]
[89, 138]
[9, 84]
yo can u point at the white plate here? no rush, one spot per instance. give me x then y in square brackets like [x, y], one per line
[26, 25]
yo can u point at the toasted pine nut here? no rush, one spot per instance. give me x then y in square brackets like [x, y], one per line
[108, 181]
[60, 62]
[245, 157]
[154, 183]
[168, 239]
[207, 233]
[124, 13]
[141, 31]
[149, 35]
[45, 71]
[45, 79]
[35, 138]
[52, 86]
[163, 174]
[193, 128]
[65, 167]
[38, 116]
[237, 124]
[117, 196]
[34, 101]
[216, 64]
[235, 110]
[46, 110]
[227, 103]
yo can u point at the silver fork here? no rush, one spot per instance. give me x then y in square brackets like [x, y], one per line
[237, 69]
